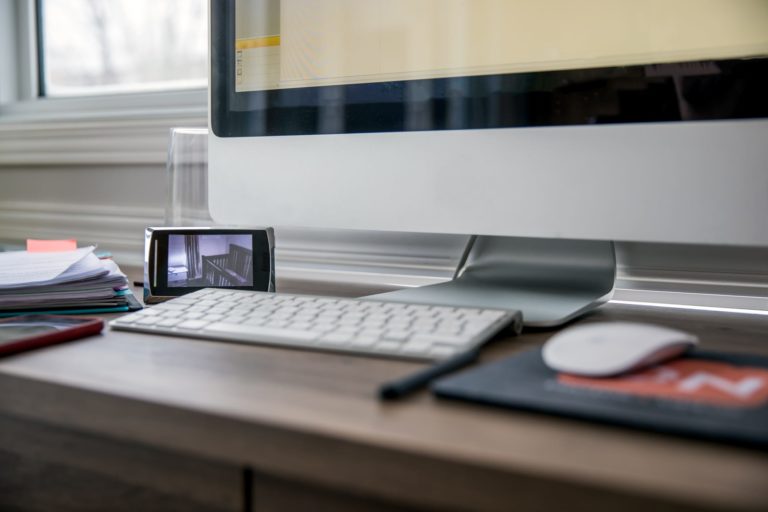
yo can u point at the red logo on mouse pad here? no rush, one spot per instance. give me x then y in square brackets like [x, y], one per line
[688, 380]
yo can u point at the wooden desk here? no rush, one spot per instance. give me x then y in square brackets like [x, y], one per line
[125, 422]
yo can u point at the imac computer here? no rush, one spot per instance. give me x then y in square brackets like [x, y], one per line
[544, 130]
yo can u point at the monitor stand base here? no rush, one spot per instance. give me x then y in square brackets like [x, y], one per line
[551, 281]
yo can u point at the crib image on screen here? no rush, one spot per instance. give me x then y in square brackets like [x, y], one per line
[210, 260]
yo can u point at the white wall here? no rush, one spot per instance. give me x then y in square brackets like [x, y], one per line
[94, 175]
[106, 205]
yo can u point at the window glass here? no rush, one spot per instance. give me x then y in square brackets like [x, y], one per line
[105, 46]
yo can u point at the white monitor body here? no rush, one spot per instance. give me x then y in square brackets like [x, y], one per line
[548, 199]
[683, 182]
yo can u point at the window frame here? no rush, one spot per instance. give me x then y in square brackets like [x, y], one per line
[25, 103]
[17, 83]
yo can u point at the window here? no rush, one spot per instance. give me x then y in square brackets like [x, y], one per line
[91, 47]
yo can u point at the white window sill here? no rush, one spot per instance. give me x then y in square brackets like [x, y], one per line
[109, 129]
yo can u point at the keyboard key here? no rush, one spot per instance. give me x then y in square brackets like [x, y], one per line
[371, 332]
[192, 324]
[127, 319]
[447, 331]
[257, 333]
[322, 328]
[168, 322]
[301, 326]
[149, 312]
[148, 320]
[399, 336]
[171, 306]
[276, 324]
[186, 300]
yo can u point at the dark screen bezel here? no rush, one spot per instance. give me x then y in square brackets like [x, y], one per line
[158, 252]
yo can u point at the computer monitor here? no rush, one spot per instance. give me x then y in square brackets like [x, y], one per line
[594, 121]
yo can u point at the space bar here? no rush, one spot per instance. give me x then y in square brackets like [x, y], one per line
[257, 333]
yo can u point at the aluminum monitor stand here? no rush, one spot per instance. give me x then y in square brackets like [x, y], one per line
[550, 281]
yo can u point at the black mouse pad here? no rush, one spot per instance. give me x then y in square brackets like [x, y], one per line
[705, 394]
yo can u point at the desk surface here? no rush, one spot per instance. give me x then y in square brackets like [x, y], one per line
[315, 417]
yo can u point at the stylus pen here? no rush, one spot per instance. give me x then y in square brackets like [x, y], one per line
[401, 387]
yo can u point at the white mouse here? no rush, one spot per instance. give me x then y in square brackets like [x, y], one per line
[613, 348]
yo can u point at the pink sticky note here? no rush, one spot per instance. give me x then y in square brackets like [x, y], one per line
[51, 245]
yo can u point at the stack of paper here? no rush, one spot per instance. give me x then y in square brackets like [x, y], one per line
[62, 282]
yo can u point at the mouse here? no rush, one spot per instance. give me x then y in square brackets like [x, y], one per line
[607, 349]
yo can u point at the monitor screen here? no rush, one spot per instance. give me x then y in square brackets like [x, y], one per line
[295, 67]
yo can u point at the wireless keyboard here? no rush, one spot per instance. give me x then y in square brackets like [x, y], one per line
[359, 326]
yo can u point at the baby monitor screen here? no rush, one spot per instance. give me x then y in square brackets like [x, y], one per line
[208, 260]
